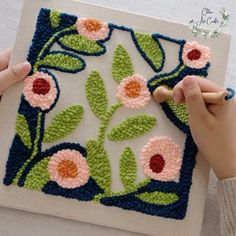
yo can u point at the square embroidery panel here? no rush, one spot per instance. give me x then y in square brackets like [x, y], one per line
[84, 172]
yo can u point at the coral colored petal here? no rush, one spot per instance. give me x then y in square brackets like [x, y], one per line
[92, 31]
[126, 88]
[79, 162]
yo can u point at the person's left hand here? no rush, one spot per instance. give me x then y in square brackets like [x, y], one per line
[11, 75]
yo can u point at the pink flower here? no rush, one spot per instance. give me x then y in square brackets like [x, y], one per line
[196, 55]
[40, 90]
[133, 92]
[92, 28]
[161, 159]
[68, 168]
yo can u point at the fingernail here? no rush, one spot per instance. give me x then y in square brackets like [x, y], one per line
[26, 66]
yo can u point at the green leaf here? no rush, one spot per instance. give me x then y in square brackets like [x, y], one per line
[55, 18]
[38, 176]
[128, 168]
[22, 129]
[99, 164]
[121, 66]
[96, 94]
[153, 52]
[180, 111]
[63, 123]
[80, 44]
[62, 61]
[132, 127]
[159, 198]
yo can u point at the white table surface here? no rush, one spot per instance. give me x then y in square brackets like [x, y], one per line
[20, 223]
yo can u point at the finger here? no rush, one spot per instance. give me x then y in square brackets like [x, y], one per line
[220, 110]
[208, 85]
[214, 109]
[197, 109]
[5, 58]
[178, 93]
[204, 84]
[13, 75]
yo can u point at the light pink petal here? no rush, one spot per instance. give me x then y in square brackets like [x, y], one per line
[171, 153]
[202, 61]
[41, 101]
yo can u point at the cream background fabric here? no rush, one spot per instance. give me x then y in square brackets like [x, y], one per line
[163, 32]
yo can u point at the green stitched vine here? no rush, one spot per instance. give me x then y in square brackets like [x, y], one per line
[48, 45]
[35, 149]
[132, 127]
[22, 129]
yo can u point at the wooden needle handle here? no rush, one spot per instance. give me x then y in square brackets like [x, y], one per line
[162, 94]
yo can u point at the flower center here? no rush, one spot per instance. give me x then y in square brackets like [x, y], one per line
[67, 169]
[194, 55]
[157, 163]
[93, 25]
[132, 89]
[41, 86]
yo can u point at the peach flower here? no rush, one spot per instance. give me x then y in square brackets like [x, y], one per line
[68, 168]
[133, 92]
[161, 159]
[196, 55]
[40, 90]
[92, 28]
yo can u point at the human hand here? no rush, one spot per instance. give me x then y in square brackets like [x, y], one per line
[213, 127]
[11, 75]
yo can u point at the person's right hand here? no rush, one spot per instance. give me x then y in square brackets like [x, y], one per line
[11, 75]
[213, 127]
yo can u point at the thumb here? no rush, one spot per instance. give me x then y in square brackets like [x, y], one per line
[197, 109]
[13, 75]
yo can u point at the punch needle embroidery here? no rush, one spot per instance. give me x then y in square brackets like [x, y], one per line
[40, 90]
[93, 29]
[195, 55]
[69, 169]
[161, 159]
[84, 172]
[133, 92]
